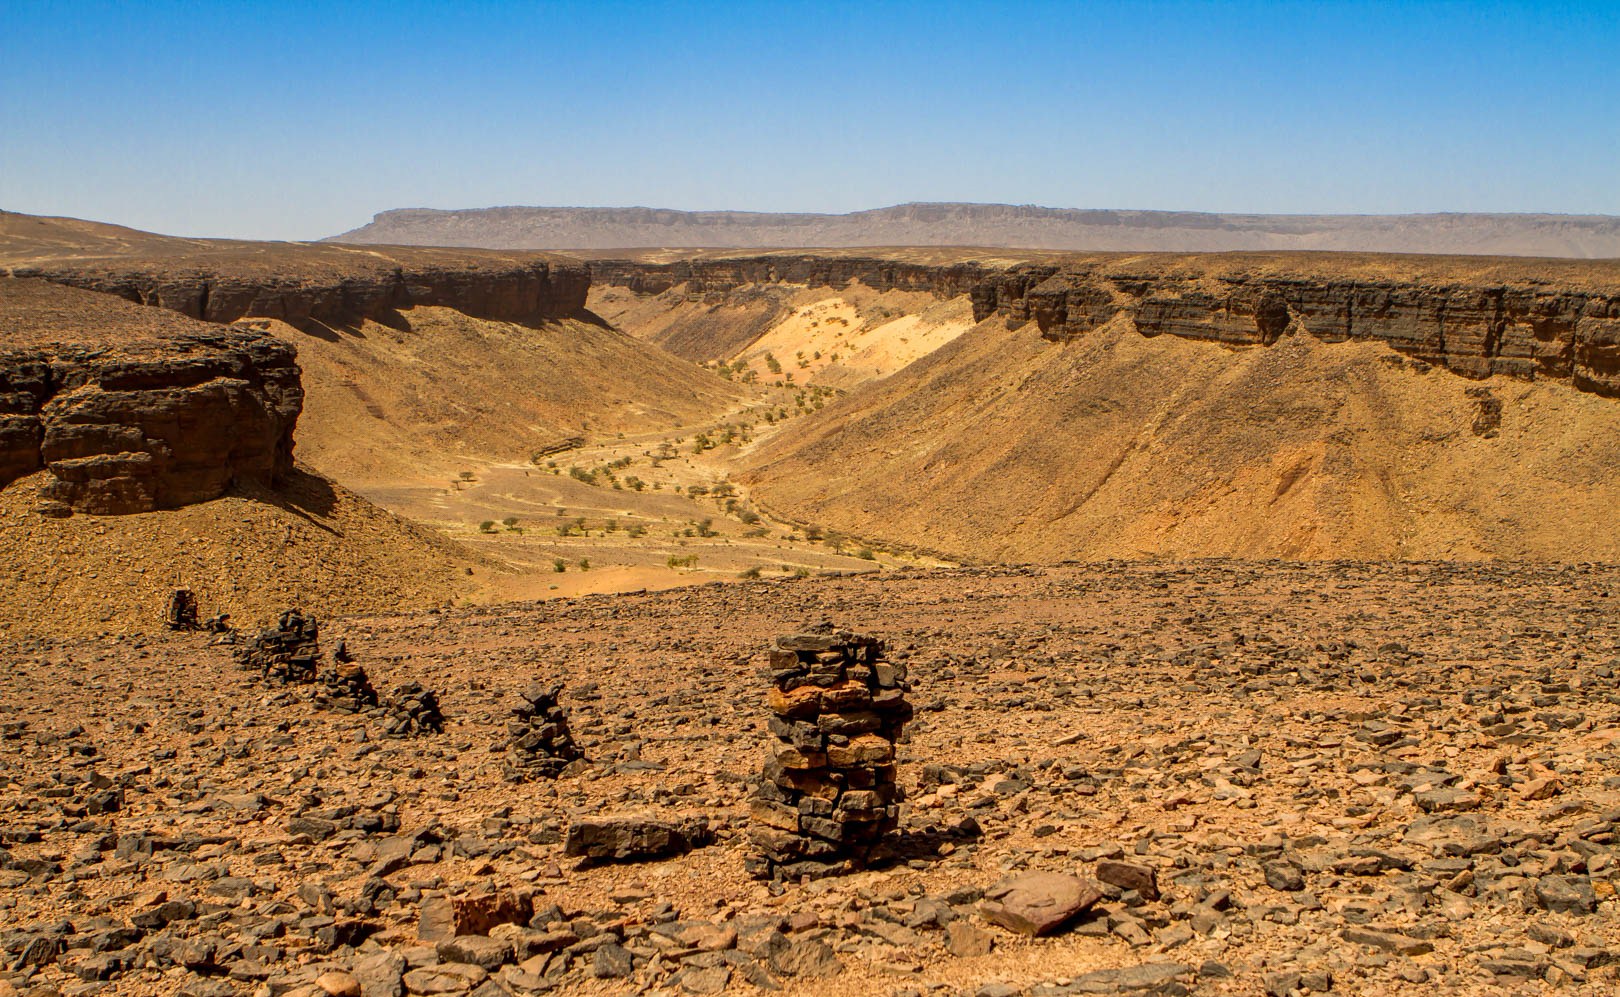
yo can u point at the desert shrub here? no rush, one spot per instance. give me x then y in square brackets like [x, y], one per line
[559, 565]
[753, 572]
[584, 564]
[866, 554]
[487, 526]
[689, 561]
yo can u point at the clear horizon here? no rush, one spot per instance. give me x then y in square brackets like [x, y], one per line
[300, 121]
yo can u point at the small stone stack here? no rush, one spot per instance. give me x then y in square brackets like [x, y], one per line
[828, 795]
[287, 652]
[181, 611]
[346, 688]
[541, 743]
[412, 709]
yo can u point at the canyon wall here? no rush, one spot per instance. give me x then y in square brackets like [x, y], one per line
[1502, 322]
[708, 277]
[526, 292]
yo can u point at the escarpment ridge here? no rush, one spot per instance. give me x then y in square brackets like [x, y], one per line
[1013, 225]
[1476, 317]
[306, 286]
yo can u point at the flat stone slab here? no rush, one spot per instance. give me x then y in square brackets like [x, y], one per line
[1038, 903]
[629, 839]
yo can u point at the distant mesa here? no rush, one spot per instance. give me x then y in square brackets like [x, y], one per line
[995, 225]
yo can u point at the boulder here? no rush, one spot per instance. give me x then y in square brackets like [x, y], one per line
[1038, 903]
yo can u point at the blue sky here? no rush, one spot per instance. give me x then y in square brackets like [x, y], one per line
[295, 120]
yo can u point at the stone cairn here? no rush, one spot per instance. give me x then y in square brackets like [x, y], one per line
[288, 652]
[412, 708]
[828, 794]
[180, 613]
[346, 688]
[541, 743]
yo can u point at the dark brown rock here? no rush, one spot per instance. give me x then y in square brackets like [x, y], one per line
[633, 838]
[1130, 876]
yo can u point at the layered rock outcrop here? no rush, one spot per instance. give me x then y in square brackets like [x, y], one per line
[522, 291]
[1528, 319]
[1473, 329]
[130, 415]
[706, 277]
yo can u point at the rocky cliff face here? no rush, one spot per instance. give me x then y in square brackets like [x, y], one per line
[520, 291]
[1469, 328]
[131, 415]
[705, 277]
[1503, 319]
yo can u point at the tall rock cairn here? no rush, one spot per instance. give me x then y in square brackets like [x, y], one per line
[828, 794]
[541, 743]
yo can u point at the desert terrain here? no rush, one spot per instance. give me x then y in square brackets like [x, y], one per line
[1246, 620]
[1357, 778]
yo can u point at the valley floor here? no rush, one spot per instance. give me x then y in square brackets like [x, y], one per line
[1369, 777]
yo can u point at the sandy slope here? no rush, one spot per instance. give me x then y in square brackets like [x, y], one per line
[313, 544]
[838, 338]
[1002, 446]
[385, 406]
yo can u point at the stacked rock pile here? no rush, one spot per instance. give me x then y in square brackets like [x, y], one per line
[541, 743]
[288, 652]
[828, 794]
[181, 611]
[346, 688]
[412, 709]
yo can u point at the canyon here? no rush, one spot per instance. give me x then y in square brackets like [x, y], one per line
[1541, 318]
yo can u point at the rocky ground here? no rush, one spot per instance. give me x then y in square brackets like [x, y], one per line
[1273, 778]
